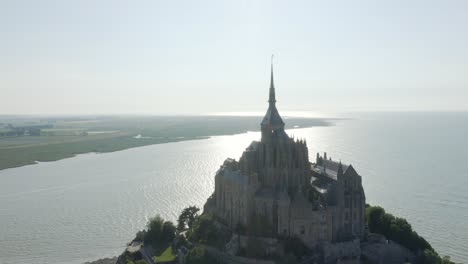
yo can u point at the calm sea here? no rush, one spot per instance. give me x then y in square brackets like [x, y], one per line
[89, 206]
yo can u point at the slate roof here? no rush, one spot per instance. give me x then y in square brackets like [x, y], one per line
[272, 118]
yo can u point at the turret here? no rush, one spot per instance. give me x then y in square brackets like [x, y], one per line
[339, 174]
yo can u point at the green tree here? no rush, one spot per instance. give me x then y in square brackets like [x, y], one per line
[199, 255]
[446, 260]
[140, 235]
[429, 257]
[395, 228]
[187, 218]
[155, 229]
[168, 231]
[207, 230]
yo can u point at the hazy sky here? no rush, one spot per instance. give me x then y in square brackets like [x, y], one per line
[191, 57]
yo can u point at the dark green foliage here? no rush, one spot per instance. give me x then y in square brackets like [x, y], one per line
[431, 257]
[130, 258]
[159, 231]
[168, 231]
[400, 231]
[154, 229]
[187, 217]
[446, 260]
[206, 230]
[181, 241]
[395, 228]
[140, 235]
[199, 255]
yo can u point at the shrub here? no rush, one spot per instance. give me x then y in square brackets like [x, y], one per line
[395, 228]
[198, 255]
[187, 218]
[155, 227]
[158, 231]
[207, 230]
[400, 231]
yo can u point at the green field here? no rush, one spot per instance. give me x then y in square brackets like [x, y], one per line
[110, 133]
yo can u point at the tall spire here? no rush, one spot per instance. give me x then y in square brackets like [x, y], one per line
[272, 98]
[272, 120]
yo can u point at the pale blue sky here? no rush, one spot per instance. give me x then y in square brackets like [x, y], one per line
[192, 57]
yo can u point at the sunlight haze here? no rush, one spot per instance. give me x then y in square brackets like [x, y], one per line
[195, 57]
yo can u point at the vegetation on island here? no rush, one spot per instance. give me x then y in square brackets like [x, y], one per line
[187, 218]
[140, 261]
[195, 233]
[199, 255]
[207, 230]
[167, 256]
[399, 230]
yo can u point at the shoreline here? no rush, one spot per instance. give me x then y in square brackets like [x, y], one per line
[36, 162]
[135, 143]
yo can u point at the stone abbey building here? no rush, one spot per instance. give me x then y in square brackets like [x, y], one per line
[276, 190]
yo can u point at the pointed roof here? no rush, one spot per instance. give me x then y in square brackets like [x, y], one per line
[350, 170]
[272, 117]
[272, 97]
[340, 169]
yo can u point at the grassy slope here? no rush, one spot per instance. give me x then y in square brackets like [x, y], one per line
[19, 151]
[167, 256]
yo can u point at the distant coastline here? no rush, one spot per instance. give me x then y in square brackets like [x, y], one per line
[128, 132]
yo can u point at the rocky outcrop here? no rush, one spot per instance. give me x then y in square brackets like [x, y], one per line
[378, 250]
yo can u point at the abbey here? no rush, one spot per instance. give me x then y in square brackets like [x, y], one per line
[276, 191]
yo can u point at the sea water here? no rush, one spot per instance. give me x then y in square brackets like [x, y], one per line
[88, 207]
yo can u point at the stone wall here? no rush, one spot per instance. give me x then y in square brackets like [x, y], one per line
[349, 250]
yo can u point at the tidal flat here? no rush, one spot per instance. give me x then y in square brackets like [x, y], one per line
[70, 136]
